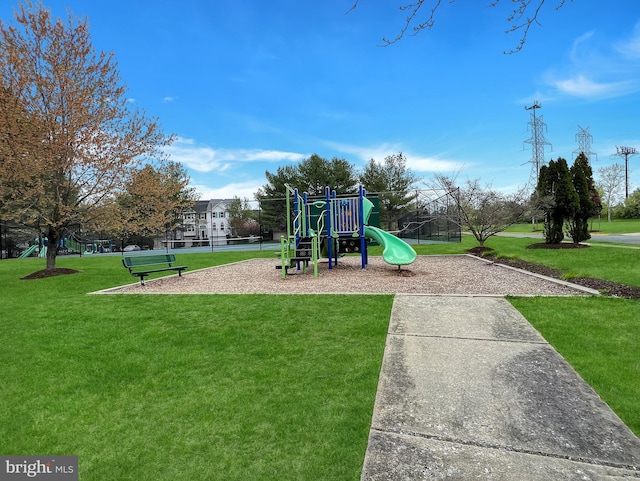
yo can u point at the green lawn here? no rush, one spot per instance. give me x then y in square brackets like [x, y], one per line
[246, 387]
[598, 261]
[616, 226]
[186, 387]
[600, 338]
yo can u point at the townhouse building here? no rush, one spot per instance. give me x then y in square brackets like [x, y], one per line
[207, 223]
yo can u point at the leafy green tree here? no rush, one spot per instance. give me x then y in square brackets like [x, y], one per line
[393, 181]
[631, 207]
[557, 198]
[589, 203]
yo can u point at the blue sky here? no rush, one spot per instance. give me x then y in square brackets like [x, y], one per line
[248, 85]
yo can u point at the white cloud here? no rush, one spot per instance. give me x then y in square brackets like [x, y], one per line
[432, 164]
[582, 86]
[200, 159]
[169, 99]
[208, 159]
[184, 140]
[576, 51]
[365, 153]
[238, 189]
[630, 48]
[594, 71]
[416, 162]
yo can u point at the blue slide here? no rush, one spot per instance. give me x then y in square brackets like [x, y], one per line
[396, 251]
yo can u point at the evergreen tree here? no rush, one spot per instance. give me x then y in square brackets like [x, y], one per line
[272, 196]
[316, 173]
[392, 180]
[557, 198]
[589, 203]
[312, 176]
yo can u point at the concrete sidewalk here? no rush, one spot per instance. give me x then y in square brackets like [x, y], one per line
[469, 390]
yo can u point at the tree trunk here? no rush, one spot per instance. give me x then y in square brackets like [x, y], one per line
[53, 239]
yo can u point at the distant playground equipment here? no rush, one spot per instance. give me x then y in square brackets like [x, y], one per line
[73, 243]
[69, 244]
[34, 249]
[39, 248]
[332, 227]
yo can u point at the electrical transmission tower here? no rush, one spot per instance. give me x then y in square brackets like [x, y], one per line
[584, 139]
[537, 140]
[626, 152]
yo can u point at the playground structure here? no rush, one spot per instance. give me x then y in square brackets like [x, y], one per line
[35, 248]
[332, 227]
[86, 246]
[69, 244]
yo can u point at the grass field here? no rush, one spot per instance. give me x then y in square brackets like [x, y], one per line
[616, 226]
[245, 387]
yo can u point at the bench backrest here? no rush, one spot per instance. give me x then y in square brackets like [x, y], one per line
[148, 260]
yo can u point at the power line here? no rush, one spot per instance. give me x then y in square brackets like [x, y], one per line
[537, 140]
[584, 139]
[626, 152]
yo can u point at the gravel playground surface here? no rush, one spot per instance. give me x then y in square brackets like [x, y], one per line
[438, 275]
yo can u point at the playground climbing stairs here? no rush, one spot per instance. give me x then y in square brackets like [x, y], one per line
[304, 249]
[303, 253]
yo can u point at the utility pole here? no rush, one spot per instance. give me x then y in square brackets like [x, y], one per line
[626, 152]
[584, 139]
[537, 140]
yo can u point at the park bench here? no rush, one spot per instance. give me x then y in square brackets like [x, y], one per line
[142, 266]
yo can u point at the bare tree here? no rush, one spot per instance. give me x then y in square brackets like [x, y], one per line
[69, 136]
[611, 182]
[421, 15]
[483, 211]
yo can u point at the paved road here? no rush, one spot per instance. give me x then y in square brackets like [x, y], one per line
[617, 238]
[620, 238]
